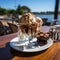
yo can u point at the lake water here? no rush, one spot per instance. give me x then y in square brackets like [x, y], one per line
[50, 17]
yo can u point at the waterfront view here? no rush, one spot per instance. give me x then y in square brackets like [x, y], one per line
[29, 29]
[50, 17]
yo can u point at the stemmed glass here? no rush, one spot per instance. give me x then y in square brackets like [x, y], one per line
[29, 38]
[22, 36]
[32, 35]
[18, 32]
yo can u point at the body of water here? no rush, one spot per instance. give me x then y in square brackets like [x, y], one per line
[50, 17]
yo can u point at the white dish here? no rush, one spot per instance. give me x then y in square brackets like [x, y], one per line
[14, 43]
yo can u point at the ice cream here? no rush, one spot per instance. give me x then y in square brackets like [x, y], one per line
[29, 21]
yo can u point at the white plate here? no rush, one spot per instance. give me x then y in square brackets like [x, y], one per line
[14, 43]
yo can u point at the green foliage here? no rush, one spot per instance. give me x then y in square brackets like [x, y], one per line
[11, 11]
[19, 10]
[3, 11]
[26, 8]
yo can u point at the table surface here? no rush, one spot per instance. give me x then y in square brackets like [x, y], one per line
[7, 53]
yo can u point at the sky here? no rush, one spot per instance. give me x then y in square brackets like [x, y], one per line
[34, 5]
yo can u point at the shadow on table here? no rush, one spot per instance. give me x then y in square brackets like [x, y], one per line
[7, 53]
[25, 54]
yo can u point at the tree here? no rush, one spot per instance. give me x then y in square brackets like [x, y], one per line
[3, 11]
[11, 11]
[19, 10]
[26, 8]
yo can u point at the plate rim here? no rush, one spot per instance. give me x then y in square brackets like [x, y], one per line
[32, 51]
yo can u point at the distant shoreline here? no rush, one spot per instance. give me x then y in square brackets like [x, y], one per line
[44, 13]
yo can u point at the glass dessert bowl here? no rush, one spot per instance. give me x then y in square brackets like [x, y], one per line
[29, 26]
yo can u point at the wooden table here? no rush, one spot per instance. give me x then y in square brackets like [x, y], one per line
[7, 53]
